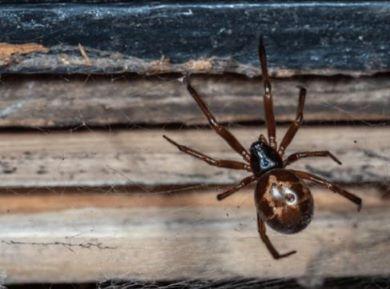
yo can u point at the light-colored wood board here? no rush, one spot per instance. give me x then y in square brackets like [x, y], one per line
[143, 158]
[180, 242]
[93, 100]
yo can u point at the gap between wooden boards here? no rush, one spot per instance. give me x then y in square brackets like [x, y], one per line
[40, 201]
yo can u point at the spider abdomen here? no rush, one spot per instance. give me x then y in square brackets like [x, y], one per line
[283, 201]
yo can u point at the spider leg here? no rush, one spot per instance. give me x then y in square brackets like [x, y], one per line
[267, 242]
[219, 129]
[292, 130]
[213, 162]
[300, 155]
[263, 139]
[267, 98]
[318, 180]
[244, 182]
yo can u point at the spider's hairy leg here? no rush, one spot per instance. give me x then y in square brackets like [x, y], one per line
[292, 130]
[263, 139]
[219, 129]
[262, 232]
[318, 180]
[300, 155]
[267, 97]
[211, 161]
[244, 182]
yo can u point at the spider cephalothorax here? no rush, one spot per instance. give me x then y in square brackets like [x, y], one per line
[282, 198]
[264, 158]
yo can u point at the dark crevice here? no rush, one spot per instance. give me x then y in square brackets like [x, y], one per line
[287, 283]
[160, 189]
[181, 126]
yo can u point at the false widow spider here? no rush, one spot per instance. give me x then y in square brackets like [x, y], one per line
[283, 200]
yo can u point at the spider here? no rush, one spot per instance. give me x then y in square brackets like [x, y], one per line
[283, 200]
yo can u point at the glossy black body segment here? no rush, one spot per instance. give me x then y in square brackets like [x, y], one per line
[264, 158]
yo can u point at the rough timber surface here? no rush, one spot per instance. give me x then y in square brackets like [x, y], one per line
[315, 37]
[65, 101]
[144, 158]
[89, 237]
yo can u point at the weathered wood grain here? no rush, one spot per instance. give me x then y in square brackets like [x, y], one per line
[143, 158]
[100, 101]
[182, 236]
[323, 37]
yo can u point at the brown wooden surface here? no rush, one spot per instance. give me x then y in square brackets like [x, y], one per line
[143, 157]
[119, 202]
[80, 203]
[82, 236]
[8, 50]
[71, 101]
[150, 213]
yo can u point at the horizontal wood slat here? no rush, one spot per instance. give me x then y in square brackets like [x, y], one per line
[88, 237]
[144, 158]
[102, 101]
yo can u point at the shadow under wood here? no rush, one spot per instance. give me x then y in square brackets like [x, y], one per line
[41, 200]
[288, 283]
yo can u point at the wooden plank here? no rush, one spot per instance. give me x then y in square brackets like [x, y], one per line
[203, 37]
[100, 101]
[143, 158]
[183, 236]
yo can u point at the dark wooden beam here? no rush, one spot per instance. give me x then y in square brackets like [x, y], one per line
[323, 37]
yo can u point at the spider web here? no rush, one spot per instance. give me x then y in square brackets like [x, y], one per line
[238, 226]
